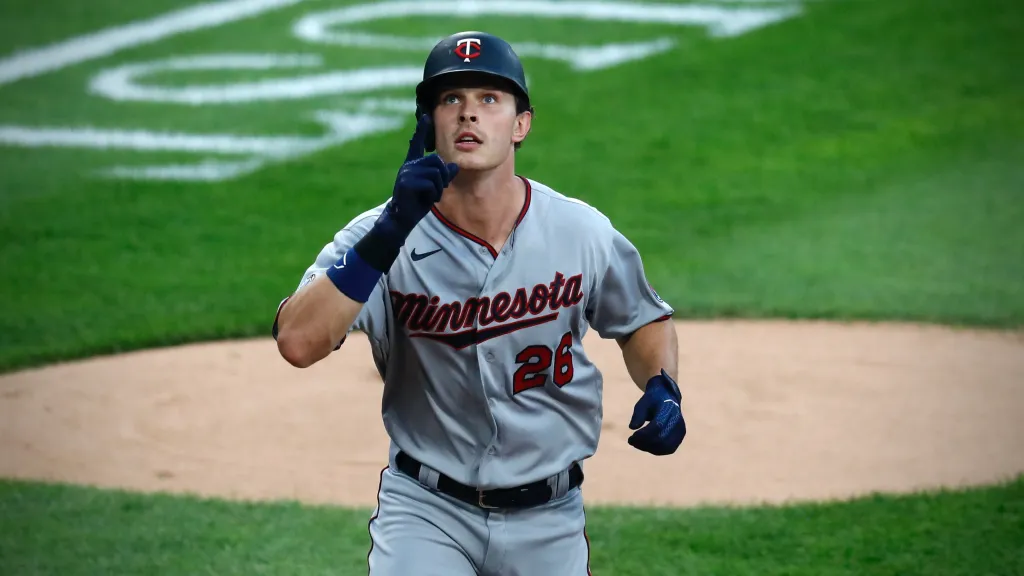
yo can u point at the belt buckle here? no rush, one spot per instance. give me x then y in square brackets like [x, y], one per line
[480, 501]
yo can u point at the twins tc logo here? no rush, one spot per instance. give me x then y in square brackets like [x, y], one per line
[467, 48]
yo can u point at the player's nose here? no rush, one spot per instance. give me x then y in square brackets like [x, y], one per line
[467, 111]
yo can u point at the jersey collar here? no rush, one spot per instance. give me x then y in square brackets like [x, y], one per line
[477, 239]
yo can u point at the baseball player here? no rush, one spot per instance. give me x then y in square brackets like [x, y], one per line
[475, 287]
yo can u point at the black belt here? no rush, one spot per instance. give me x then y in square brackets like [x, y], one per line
[532, 494]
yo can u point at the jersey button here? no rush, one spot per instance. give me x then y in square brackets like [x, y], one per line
[490, 357]
[483, 250]
[491, 450]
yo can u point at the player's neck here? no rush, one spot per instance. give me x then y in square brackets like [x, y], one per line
[485, 204]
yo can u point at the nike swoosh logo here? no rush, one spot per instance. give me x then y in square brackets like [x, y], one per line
[460, 340]
[417, 257]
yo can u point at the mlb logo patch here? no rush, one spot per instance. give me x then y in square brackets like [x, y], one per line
[308, 279]
[655, 292]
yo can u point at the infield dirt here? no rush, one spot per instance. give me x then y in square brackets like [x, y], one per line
[776, 411]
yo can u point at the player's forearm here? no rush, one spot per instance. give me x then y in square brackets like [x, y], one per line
[314, 321]
[324, 311]
[649, 350]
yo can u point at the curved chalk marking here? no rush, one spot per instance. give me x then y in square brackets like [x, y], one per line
[122, 82]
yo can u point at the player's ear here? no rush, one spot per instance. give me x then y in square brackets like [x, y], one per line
[522, 126]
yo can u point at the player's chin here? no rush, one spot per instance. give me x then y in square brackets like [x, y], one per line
[472, 161]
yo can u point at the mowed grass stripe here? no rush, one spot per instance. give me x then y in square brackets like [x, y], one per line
[925, 247]
[67, 530]
[25, 24]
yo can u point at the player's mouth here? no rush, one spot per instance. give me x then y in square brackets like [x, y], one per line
[467, 142]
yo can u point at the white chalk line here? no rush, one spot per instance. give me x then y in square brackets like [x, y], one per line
[121, 82]
[341, 127]
[37, 61]
[720, 20]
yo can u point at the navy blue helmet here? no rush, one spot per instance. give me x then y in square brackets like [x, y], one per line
[470, 56]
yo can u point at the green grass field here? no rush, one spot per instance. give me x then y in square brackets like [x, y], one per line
[861, 159]
[57, 529]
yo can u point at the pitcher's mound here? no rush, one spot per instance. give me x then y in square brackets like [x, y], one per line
[776, 412]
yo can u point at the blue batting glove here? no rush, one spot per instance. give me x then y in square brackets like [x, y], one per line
[660, 406]
[418, 186]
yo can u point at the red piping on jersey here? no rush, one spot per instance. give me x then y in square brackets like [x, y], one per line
[587, 538]
[477, 239]
[376, 513]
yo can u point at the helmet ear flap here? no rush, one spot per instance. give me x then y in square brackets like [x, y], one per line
[428, 140]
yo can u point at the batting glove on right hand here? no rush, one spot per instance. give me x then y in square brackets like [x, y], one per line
[419, 184]
[660, 406]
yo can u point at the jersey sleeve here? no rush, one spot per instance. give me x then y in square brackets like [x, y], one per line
[372, 318]
[622, 299]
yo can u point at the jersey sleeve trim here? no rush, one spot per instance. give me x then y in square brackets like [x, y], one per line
[277, 316]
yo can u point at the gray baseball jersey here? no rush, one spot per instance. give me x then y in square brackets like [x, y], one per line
[485, 377]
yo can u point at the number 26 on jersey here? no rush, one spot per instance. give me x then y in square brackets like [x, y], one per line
[538, 361]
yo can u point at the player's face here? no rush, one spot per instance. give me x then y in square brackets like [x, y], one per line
[478, 127]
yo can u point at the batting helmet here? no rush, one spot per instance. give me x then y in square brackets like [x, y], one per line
[473, 52]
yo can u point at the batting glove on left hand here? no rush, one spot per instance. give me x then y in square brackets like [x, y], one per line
[660, 406]
[419, 185]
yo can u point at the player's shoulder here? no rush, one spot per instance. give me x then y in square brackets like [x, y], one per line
[355, 228]
[362, 222]
[561, 205]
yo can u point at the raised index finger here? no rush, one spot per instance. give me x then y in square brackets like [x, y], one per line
[418, 140]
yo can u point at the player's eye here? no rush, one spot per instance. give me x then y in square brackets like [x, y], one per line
[490, 99]
[450, 99]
